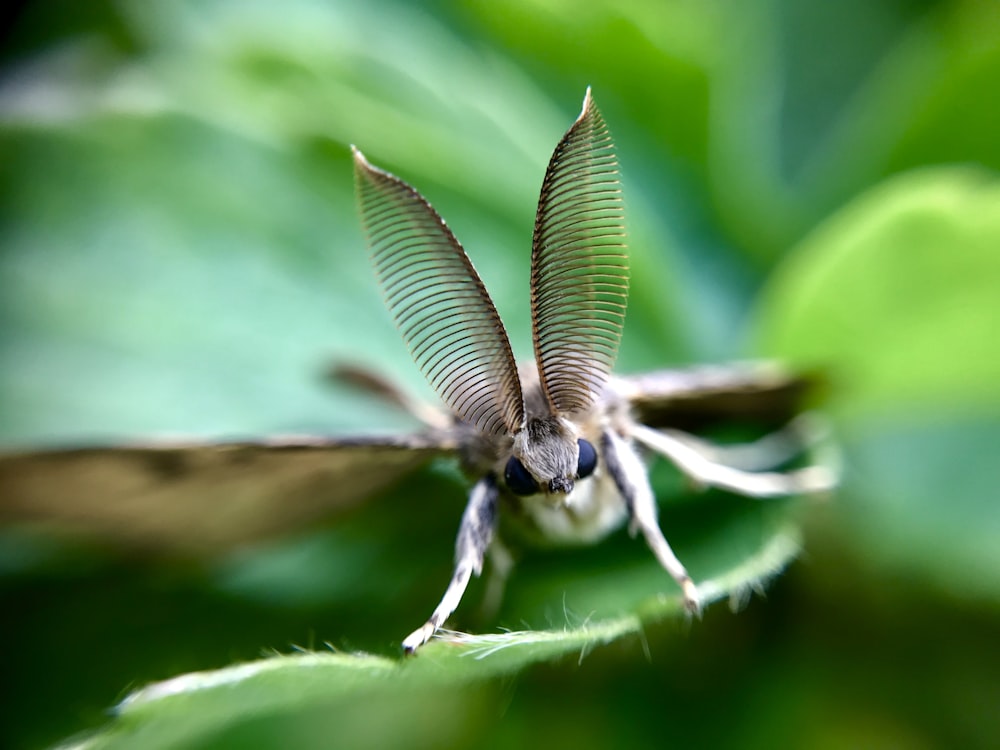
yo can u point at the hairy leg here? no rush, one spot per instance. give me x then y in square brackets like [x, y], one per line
[474, 537]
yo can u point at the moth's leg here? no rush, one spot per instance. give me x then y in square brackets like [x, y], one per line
[773, 449]
[383, 388]
[474, 537]
[629, 475]
[706, 472]
[501, 563]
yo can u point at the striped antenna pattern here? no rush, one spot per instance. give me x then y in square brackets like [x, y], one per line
[579, 266]
[439, 303]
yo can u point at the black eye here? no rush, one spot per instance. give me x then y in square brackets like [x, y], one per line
[587, 462]
[518, 479]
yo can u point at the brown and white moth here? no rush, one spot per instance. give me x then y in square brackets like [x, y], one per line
[558, 439]
[557, 436]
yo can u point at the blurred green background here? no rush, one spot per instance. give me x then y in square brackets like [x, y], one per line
[812, 181]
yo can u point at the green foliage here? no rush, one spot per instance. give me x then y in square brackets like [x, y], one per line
[181, 255]
[896, 295]
[196, 706]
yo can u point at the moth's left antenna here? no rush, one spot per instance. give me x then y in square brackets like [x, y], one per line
[439, 303]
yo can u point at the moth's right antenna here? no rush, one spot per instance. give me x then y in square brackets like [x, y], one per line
[579, 267]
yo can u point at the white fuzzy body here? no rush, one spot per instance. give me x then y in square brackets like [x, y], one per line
[595, 506]
[590, 512]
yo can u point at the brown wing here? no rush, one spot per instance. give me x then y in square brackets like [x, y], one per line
[763, 393]
[192, 500]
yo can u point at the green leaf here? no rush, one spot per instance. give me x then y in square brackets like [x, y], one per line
[797, 132]
[896, 297]
[922, 503]
[191, 709]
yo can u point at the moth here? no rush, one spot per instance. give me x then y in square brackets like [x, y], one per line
[556, 442]
[554, 437]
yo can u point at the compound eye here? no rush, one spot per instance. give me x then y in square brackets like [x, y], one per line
[587, 462]
[519, 479]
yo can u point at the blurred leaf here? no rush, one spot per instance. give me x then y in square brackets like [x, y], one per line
[954, 121]
[896, 296]
[145, 293]
[923, 503]
[636, 51]
[798, 129]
